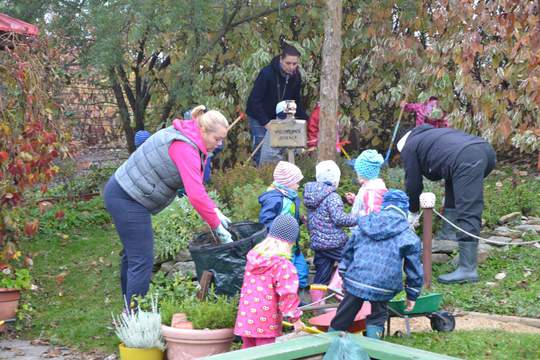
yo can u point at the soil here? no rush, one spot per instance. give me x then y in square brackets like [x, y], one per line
[466, 322]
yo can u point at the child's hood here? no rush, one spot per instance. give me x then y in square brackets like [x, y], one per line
[315, 192]
[190, 129]
[383, 225]
[260, 264]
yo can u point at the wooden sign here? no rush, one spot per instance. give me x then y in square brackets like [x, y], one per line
[288, 133]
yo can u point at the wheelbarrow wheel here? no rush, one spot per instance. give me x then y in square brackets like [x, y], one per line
[443, 321]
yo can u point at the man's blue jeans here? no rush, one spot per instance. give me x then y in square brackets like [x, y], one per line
[257, 132]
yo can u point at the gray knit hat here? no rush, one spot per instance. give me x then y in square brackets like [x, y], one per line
[285, 228]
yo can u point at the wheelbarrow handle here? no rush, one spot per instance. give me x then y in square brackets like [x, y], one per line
[325, 288]
[308, 329]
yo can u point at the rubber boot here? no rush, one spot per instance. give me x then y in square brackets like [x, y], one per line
[467, 265]
[448, 232]
[374, 332]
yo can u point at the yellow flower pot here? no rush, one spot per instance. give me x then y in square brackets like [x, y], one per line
[127, 353]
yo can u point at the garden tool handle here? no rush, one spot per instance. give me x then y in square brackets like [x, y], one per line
[324, 288]
[308, 329]
[318, 287]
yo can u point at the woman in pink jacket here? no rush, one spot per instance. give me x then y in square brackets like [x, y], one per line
[270, 288]
[147, 182]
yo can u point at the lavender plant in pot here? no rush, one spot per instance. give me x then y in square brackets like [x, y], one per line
[140, 334]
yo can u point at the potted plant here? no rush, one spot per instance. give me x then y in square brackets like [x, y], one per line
[140, 334]
[212, 320]
[13, 279]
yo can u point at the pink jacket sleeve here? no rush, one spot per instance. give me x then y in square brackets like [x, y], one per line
[287, 289]
[188, 162]
[413, 107]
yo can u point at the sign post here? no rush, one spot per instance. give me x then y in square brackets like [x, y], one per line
[289, 133]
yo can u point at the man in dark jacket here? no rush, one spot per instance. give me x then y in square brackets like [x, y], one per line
[463, 161]
[278, 81]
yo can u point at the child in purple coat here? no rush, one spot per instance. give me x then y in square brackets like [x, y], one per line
[326, 220]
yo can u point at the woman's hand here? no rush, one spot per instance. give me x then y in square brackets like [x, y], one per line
[224, 236]
[225, 221]
[350, 197]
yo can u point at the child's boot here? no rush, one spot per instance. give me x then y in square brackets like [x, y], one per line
[374, 332]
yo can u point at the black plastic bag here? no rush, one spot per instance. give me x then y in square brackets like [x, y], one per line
[227, 262]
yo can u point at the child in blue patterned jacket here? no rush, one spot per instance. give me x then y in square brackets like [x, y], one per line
[382, 247]
[326, 220]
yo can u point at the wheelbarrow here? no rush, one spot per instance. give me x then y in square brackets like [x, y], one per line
[426, 305]
[322, 322]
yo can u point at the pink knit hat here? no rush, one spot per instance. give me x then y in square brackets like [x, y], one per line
[287, 174]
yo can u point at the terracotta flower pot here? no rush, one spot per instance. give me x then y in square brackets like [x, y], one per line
[186, 344]
[127, 353]
[9, 302]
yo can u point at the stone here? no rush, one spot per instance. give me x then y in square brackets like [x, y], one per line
[527, 227]
[183, 256]
[533, 220]
[167, 266]
[483, 252]
[186, 268]
[500, 276]
[499, 240]
[444, 246]
[510, 217]
[507, 232]
[439, 258]
[491, 283]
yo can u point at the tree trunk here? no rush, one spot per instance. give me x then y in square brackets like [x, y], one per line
[330, 78]
[123, 108]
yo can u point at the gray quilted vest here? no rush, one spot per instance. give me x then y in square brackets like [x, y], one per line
[149, 175]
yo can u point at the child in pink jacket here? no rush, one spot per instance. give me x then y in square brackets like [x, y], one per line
[269, 290]
[428, 112]
[370, 196]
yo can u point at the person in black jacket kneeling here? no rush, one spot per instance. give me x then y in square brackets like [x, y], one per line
[463, 161]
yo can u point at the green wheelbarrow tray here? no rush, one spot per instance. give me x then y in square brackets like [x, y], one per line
[424, 304]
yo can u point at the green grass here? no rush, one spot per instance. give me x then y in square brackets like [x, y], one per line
[517, 294]
[475, 345]
[77, 311]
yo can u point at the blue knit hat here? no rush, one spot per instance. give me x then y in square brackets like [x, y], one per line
[368, 164]
[397, 198]
[284, 227]
[140, 137]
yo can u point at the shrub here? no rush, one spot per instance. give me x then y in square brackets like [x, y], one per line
[215, 312]
[226, 181]
[245, 201]
[175, 226]
[168, 287]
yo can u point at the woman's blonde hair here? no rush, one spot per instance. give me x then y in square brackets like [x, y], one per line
[208, 120]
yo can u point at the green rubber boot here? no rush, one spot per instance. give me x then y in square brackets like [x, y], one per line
[468, 263]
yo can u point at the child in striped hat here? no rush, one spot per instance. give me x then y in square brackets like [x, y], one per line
[369, 197]
[282, 198]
